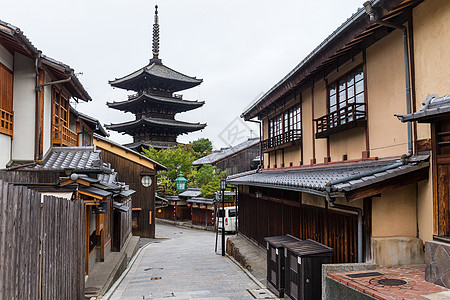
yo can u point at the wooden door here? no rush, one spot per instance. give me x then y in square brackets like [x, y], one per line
[441, 172]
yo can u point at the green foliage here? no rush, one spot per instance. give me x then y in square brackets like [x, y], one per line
[208, 178]
[177, 159]
[202, 147]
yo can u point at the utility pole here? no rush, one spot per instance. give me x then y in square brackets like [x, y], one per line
[223, 186]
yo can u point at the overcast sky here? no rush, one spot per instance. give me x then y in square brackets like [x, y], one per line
[239, 48]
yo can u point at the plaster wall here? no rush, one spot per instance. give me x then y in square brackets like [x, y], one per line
[345, 68]
[24, 108]
[351, 142]
[6, 58]
[292, 155]
[47, 116]
[307, 126]
[431, 53]
[386, 96]
[425, 208]
[5, 150]
[313, 200]
[320, 109]
[394, 213]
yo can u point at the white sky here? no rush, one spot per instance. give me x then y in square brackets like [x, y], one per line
[239, 48]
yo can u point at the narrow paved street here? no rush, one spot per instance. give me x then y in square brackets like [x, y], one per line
[182, 264]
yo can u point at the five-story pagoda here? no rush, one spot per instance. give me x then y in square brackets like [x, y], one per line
[155, 103]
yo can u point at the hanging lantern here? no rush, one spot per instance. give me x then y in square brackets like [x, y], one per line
[181, 183]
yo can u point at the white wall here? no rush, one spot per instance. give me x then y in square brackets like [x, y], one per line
[5, 150]
[47, 115]
[6, 58]
[24, 108]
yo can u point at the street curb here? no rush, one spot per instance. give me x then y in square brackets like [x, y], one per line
[253, 278]
[120, 279]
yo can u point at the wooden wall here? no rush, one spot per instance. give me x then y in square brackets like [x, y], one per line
[202, 216]
[281, 212]
[144, 198]
[121, 227]
[239, 162]
[30, 269]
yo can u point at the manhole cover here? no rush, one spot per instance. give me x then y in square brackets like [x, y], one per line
[391, 282]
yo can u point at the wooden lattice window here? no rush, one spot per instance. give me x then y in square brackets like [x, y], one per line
[6, 100]
[61, 134]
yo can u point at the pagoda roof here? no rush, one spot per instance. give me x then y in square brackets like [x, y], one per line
[157, 76]
[146, 144]
[135, 104]
[174, 126]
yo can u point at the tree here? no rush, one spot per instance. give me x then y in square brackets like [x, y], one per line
[202, 147]
[208, 179]
[177, 159]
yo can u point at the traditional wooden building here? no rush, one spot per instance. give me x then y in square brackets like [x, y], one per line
[155, 104]
[233, 160]
[338, 167]
[139, 172]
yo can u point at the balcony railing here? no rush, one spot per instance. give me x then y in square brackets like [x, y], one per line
[63, 136]
[6, 122]
[352, 115]
[281, 140]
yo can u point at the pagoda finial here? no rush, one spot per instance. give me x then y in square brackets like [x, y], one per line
[155, 37]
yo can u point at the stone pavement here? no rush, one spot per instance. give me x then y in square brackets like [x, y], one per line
[183, 265]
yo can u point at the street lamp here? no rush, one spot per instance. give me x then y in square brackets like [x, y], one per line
[223, 186]
[181, 183]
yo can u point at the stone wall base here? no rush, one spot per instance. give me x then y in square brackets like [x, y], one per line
[397, 251]
[437, 259]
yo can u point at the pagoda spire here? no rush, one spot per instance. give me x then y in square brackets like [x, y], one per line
[155, 46]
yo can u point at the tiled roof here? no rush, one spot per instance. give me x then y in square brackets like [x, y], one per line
[433, 107]
[146, 144]
[178, 103]
[76, 158]
[191, 192]
[156, 122]
[219, 155]
[91, 121]
[340, 178]
[157, 71]
[201, 200]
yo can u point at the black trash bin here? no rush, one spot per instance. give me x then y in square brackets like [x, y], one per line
[275, 262]
[303, 269]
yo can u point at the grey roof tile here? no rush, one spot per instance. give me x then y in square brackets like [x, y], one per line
[77, 158]
[433, 106]
[317, 178]
[219, 155]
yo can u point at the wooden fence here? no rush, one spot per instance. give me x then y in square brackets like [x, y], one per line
[41, 245]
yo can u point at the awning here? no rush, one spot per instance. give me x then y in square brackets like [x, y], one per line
[434, 107]
[120, 206]
[350, 180]
[201, 200]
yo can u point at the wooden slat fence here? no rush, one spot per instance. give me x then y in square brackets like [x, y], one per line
[41, 245]
[270, 216]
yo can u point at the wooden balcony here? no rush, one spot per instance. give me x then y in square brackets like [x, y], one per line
[283, 140]
[63, 136]
[6, 122]
[350, 116]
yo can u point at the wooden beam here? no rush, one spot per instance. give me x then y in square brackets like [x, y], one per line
[388, 185]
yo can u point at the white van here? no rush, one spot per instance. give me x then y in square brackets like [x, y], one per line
[230, 218]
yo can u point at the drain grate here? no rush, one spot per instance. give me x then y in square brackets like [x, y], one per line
[261, 294]
[366, 274]
[392, 282]
[148, 269]
[155, 278]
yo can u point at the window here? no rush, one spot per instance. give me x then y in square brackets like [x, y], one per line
[284, 128]
[288, 121]
[6, 100]
[346, 105]
[61, 134]
[345, 92]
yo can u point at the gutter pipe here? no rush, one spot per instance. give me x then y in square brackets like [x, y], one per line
[260, 141]
[374, 19]
[37, 154]
[360, 226]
